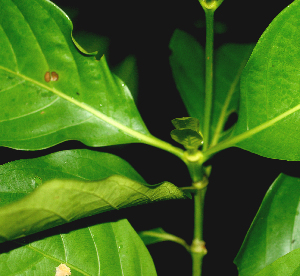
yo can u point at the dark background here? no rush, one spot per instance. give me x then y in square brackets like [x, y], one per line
[239, 179]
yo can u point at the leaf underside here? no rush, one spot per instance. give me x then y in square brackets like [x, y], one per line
[61, 187]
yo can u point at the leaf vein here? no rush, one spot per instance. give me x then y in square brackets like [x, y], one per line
[12, 49]
[12, 86]
[96, 248]
[30, 113]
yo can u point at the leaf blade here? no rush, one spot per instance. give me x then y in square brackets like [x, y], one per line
[186, 59]
[114, 244]
[83, 82]
[159, 235]
[269, 110]
[275, 229]
[286, 265]
[70, 192]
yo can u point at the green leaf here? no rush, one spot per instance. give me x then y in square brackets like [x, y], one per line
[187, 62]
[288, 265]
[187, 132]
[86, 103]
[153, 236]
[188, 71]
[269, 119]
[187, 123]
[189, 138]
[159, 235]
[112, 248]
[275, 231]
[76, 184]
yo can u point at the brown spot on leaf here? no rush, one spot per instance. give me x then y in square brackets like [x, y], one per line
[54, 76]
[47, 76]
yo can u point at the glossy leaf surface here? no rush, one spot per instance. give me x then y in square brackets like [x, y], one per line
[275, 230]
[269, 116]
[69, 185]
[50, 91]
[187, 62]
[112, 248]
[288, 265]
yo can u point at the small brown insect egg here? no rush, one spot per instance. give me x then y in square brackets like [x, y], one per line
[54, 76]
[47, 76]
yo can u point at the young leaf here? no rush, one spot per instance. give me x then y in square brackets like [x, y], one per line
[51, 91]
[187, 133]
[275, 231]
[112, 248]
[187, 62]
[68, 189]
[269, 121]
[186, 123]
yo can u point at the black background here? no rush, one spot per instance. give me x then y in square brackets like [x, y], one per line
[239, 179]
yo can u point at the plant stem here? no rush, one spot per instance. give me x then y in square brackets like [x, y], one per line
[209, 16]
[198, 251]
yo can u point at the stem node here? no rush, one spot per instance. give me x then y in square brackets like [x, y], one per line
[198, 247]
[199, 185]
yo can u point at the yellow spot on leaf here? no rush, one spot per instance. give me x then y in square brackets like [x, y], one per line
[63, 270]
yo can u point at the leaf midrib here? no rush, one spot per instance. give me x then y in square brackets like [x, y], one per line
[223, 114]
[56, 260]
[249, 133]
[144, 138]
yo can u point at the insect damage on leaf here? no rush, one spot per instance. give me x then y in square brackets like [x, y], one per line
[47, 76]
[63, 270]
[53, 76]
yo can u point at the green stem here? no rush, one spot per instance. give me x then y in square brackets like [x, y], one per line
[209, 16]
[198, 249]
[195, 165]
[198, 219]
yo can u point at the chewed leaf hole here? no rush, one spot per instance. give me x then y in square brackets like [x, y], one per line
[231, 121]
